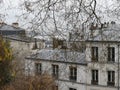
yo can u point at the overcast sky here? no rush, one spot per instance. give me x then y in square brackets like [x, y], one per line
[11, 8]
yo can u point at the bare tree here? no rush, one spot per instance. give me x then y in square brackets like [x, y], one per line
[60, 16]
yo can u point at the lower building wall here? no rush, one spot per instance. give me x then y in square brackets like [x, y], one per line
[63, 82]
[62, 85]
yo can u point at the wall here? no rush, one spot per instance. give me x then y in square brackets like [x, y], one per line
[84, 72]
[63, 82]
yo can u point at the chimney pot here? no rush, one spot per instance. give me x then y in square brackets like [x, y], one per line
[15, 24]
[112, 22]
[102, 25]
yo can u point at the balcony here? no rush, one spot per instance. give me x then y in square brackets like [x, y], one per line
[55, 76]
[110, 83]
[72, 78]
[94, 82]
[37, 73]
[93, 59]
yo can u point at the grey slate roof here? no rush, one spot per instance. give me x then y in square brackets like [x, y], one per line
[5, 27]
[57, 55]
[111, 33]
[12, 33]
[22, 39]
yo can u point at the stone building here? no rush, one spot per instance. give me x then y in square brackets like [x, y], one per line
[96, 68]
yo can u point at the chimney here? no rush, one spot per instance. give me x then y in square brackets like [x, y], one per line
[105, 25]
[96, 25]
[15, 24]
[1, 23]
[102, 25]
[70, 36]
[112, 22]
[92, 26]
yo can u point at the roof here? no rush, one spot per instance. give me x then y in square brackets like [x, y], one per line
[21, 39]
[5, 27]
[57, 55]
[110, 33]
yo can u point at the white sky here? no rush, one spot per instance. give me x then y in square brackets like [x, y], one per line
[11, 9]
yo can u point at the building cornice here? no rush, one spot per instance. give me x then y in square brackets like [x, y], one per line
[56, 61]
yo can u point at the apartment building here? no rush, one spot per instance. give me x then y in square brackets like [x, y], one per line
[102, 65]
[94, 68]
[102, 55]
[64, 65]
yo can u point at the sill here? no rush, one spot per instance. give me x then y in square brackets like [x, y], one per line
[111, 61]
[110, 85]
[38, 74]
[94, 83]
[55, 77]
[73, 80]
[94, 60]
[108, 62]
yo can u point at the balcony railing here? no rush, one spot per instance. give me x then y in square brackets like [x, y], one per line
[72, 78]
[56, 76]
[93, 59]
[111, 83]
[94, 82]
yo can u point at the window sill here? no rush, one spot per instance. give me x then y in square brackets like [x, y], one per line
[72, 80]
[55, 77]
[94, 61]
[110, 61]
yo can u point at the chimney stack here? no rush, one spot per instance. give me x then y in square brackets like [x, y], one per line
[112, 22]
[15, 24]
[1, 23]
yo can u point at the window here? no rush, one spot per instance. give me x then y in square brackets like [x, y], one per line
[55, 71]
[111, 54]
[73, 73]
[94, 77]
[111, 78]
[94, 52]
[72, 89]
[38, 68]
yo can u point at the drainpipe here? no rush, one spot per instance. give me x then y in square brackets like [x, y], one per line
[118, 68]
